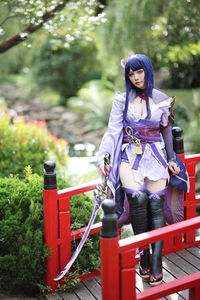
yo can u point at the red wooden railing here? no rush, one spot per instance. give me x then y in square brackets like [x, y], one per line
[57, 225]
[58, 234]
[118, 274]
[191, 199]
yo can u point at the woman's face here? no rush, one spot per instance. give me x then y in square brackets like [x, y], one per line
[137, 78]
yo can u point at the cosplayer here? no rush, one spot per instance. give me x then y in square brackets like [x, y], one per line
[139, 141]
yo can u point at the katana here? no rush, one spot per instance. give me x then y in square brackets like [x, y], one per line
[99, 195]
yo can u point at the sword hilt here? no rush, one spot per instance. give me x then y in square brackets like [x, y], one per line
[101, 188]
[106, 163]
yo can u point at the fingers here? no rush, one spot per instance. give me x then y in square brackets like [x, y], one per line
[104, 170]
[107, 170]
[174, 168]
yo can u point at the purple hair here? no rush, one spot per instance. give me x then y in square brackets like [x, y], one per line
[136, 62]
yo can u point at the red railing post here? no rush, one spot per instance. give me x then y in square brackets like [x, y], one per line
[178, 140]
[179, 149]
[189, 210]
[128, 275]
[109, 246]
[64, 231]
[50, 206]
[194, 293]
[175, 242]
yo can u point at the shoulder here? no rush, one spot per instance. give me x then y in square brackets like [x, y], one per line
[159, 96]
[162, 100]
[120, 97]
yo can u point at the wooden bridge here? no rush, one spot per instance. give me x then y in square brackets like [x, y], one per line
[119, 276]
[175, 265]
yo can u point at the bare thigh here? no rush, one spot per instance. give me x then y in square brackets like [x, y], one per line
[155, 186]
[129, 177]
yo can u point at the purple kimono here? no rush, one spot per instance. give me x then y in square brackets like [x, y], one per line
[151, 163]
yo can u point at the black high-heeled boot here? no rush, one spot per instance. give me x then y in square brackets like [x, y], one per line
[138, 202]
[156, 221]
[144, 269]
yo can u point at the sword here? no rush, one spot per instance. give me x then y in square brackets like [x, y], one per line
[99, 195]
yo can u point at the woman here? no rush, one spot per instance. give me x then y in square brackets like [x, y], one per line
[139, 141]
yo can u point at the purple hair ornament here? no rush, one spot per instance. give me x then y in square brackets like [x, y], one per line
[123, 63]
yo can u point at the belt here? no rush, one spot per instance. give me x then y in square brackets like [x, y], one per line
[131, 135]
[126, 140]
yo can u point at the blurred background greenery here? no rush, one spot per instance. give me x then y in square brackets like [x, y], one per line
[74, 58]
[67, 53]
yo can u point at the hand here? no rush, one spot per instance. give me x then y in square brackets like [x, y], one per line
[173, 168]
[103, 171]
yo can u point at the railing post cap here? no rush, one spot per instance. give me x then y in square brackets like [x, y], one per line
[49, 166]
[178, 140]
[177, 131]
[49, 176]
[109, 220]
[108, 206]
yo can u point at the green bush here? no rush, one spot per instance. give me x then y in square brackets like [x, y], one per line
[80, 212]
[66, 70]
[22, 246]
[23, 252]
[23, 144]
[181, 117]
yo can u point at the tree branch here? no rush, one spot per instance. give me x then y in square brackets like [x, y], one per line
[23, 35]
[9, 17]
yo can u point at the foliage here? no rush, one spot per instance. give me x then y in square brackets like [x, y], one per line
[22, 238]
[22, 248]
[185, 74]
[69, 282]
[23, 144]
[65, 70]
[193, 133]
[59, 18]
[185, 97]
[80, 212]
[193, 138]
[187, 116]
[181, 117]
[167, 31]
[94, 101]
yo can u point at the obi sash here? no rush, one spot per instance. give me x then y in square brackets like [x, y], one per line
[140, 133]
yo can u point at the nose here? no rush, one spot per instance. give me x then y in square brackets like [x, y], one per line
[136, 76]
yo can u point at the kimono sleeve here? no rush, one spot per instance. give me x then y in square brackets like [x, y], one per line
[115, 126]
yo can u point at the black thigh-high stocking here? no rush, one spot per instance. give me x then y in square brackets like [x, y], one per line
[156, 218]
[138, 202]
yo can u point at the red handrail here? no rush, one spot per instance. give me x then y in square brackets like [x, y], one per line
[58, 234]
[153, 236]
[191, 282]
[125, 288]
